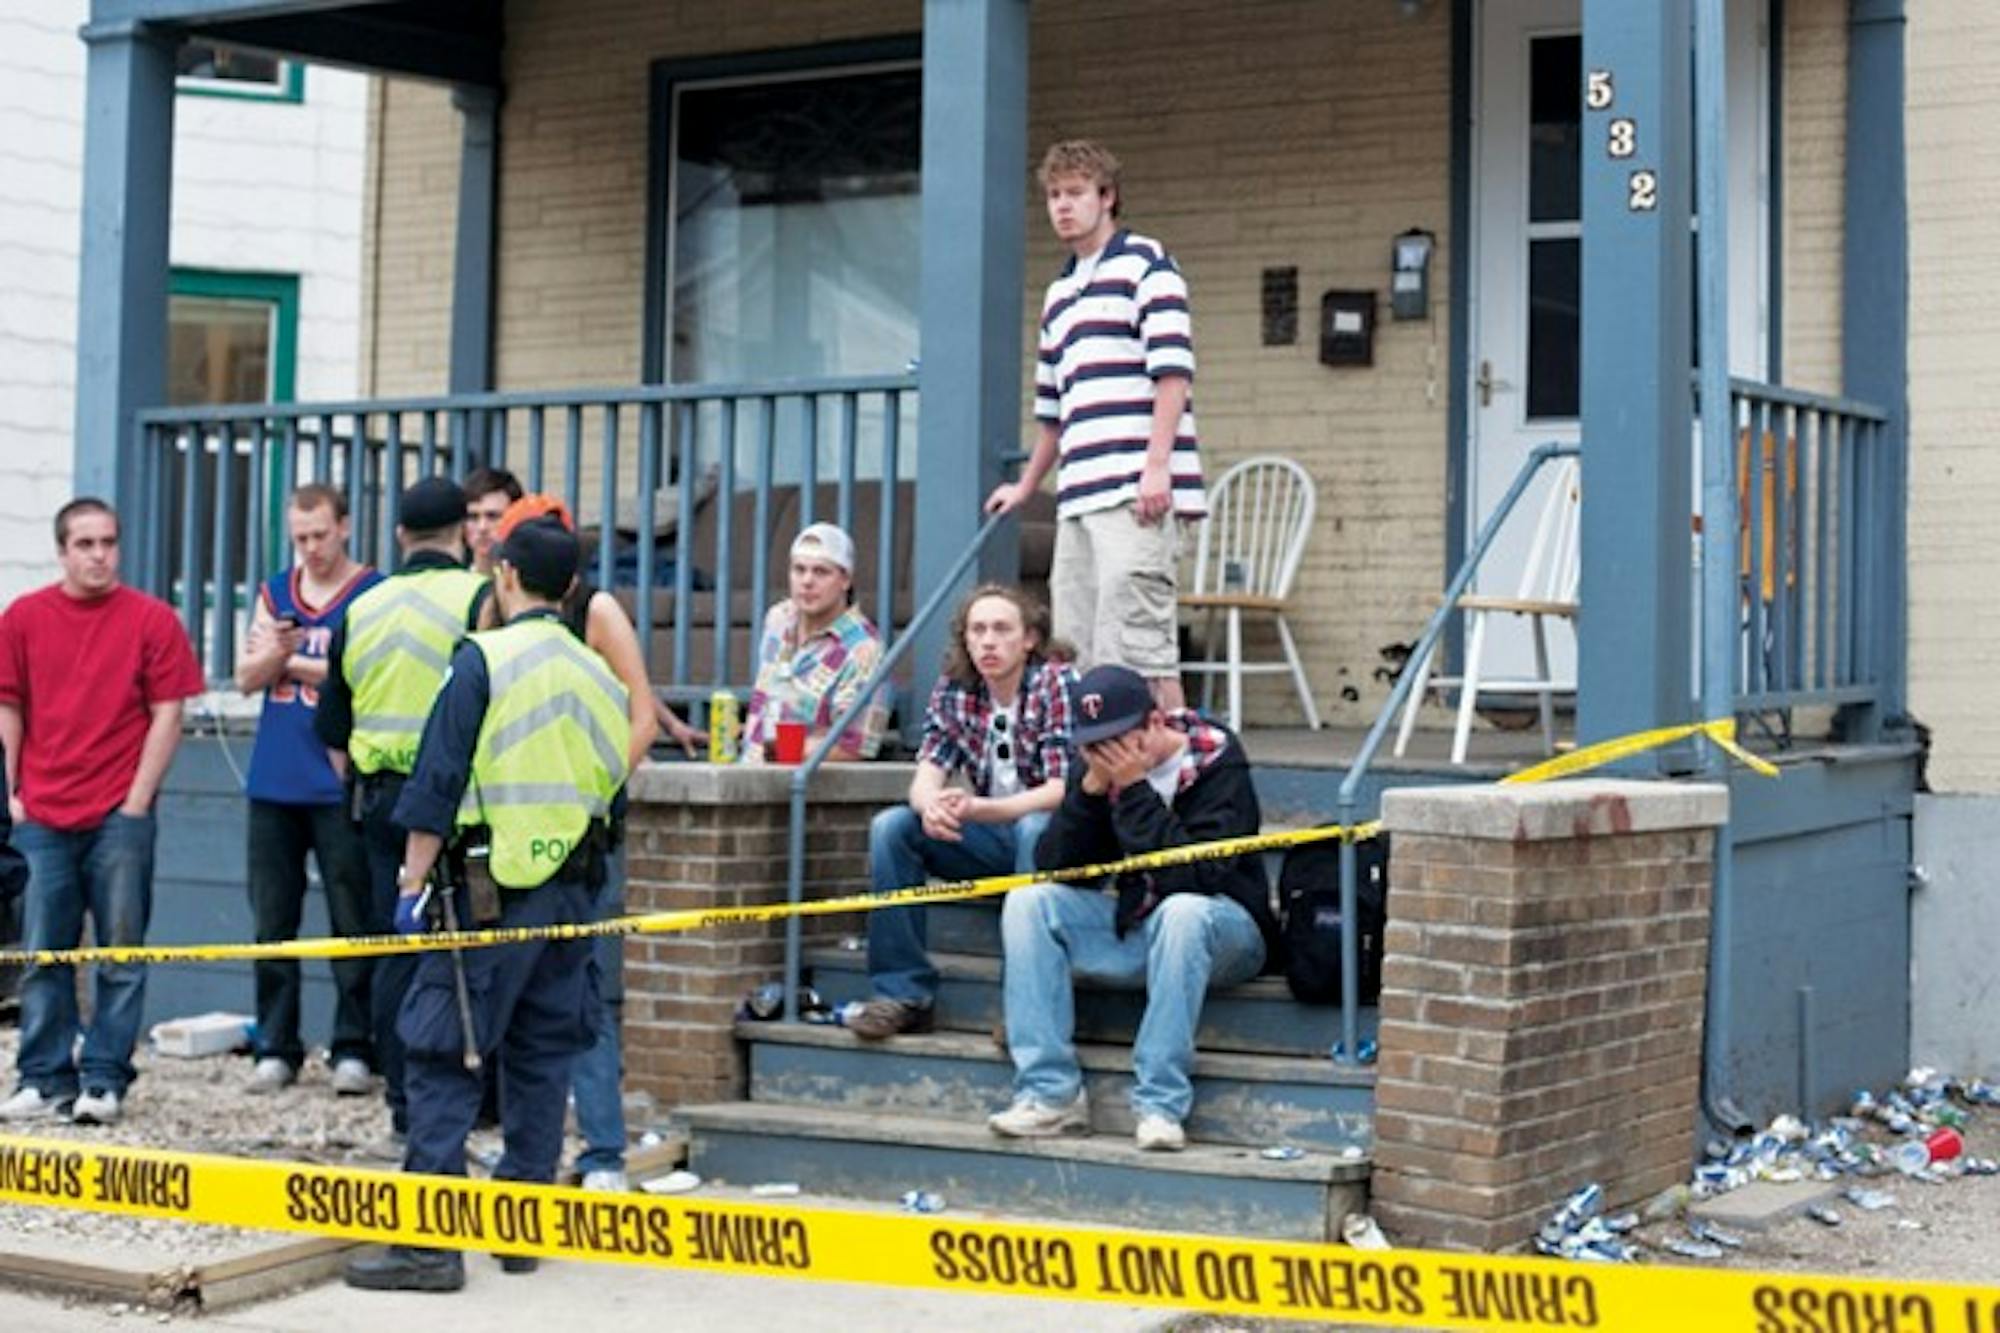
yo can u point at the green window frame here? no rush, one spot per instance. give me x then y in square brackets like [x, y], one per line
[291, 86]
[279, 290]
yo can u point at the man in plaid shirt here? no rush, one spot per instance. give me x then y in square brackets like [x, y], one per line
[999, 718]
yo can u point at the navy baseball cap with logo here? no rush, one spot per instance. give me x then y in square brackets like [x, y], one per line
[1109, 701]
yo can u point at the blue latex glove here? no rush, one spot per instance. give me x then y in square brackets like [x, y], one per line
[411, 916]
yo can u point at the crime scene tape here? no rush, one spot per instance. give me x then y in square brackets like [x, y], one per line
[668, 923]
[1221, 1275]
[1721, 732]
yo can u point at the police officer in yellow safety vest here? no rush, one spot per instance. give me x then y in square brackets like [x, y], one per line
[522, 754]
[383, 669]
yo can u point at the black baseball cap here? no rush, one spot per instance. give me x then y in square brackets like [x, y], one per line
[1109, 701]
[432, 504]
[544, 553]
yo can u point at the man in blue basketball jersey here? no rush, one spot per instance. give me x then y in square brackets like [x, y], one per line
[296, 797]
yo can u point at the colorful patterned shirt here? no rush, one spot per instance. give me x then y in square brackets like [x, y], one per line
[814, 682]
[957, 719]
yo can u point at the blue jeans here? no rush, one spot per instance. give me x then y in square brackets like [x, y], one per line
[900, 855]
[596, 1079]
[1189, 943]
[531, 1006]
[107, 870]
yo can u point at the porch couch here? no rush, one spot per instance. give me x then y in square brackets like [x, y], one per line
[744, 617]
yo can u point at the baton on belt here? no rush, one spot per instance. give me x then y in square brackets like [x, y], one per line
[446, 895]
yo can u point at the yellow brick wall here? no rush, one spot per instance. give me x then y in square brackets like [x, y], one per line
[1954, 191]
[1270, 132]
[411, 208]
[1273, 134]
[1812, 157]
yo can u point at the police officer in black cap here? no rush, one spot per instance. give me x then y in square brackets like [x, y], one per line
[383, 669]
[522, 754]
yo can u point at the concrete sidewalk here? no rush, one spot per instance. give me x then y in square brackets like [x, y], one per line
[605, 1299]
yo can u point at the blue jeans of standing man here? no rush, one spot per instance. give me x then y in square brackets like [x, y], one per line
[108, 871]
[901, 854]
[596, 1078]
[1189, 943]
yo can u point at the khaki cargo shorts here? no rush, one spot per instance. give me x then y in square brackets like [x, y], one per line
[1112, 587]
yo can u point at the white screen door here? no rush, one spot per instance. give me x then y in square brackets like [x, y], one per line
[1525, 306]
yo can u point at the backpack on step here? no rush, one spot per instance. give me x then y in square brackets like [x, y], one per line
[1309, 905]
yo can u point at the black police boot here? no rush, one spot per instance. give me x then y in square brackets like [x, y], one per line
[518, 1263]
[405, 1268]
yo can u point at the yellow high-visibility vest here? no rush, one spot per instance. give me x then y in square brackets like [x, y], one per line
[400, 635]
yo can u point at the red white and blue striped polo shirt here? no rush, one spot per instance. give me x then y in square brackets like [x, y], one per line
[1112, 324]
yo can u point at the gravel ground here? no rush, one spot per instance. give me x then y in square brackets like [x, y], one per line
[200, 1106]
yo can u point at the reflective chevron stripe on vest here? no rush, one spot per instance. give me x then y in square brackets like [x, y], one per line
[400, 635]
[551, 749]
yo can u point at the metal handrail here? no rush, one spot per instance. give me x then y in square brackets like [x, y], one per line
[796, 873]
[1349, 1051]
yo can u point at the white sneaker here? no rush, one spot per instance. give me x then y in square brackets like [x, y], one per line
[352, 1078]
[99, 1106]
[27, 1103]
[610, 1180]
[1156, 1133]
[1032, 1118]
[269, 1076]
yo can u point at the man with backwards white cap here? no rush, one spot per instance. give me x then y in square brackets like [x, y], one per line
[816, 652]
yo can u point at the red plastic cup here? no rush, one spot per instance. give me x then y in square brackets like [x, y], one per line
[791, 743]
[1944, 1143]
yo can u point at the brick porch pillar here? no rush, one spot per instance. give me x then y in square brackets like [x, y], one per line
[704, 836]
[1542, 999]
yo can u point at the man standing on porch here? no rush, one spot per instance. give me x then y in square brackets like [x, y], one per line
[1115, 419]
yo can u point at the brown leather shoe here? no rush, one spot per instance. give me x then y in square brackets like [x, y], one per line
[880, 1018]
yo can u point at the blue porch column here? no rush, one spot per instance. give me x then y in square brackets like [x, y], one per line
[1634, 649]
[1875, 321]
[974, 209]
[121, 343]
[472, 254]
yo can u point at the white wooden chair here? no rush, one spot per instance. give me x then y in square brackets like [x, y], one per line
[1259, 516]
[1547, 590]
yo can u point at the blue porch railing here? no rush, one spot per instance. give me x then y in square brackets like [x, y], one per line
[748, 464]
[1815, 491]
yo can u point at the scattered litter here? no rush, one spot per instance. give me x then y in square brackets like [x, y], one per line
[1691, 1249]
[1868, 1201]
[216, 1033]
[1907, 1224]
[674, 1182]
[1365, 1049]
[776, 1189]
[1352, 1153]
[1703, 1230]
[1667, 1203]
[767, 1003]
[1283, 1152]
[922, 1201]
[1360, 1232]
[1622, 1223]
[1823, 1215]
[1575, 1231]
[650, 1139]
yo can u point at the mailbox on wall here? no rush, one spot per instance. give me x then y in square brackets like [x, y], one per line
[1347, 328]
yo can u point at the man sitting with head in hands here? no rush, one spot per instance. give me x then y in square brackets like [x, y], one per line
[1150, 780]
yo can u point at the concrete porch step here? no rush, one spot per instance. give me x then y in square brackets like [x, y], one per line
[1249, 1100]
[877, 1155]
[1259, 1017]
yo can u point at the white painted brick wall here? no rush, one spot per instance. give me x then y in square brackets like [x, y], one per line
[258, 186]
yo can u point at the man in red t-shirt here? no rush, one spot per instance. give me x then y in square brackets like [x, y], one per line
[92, 675]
